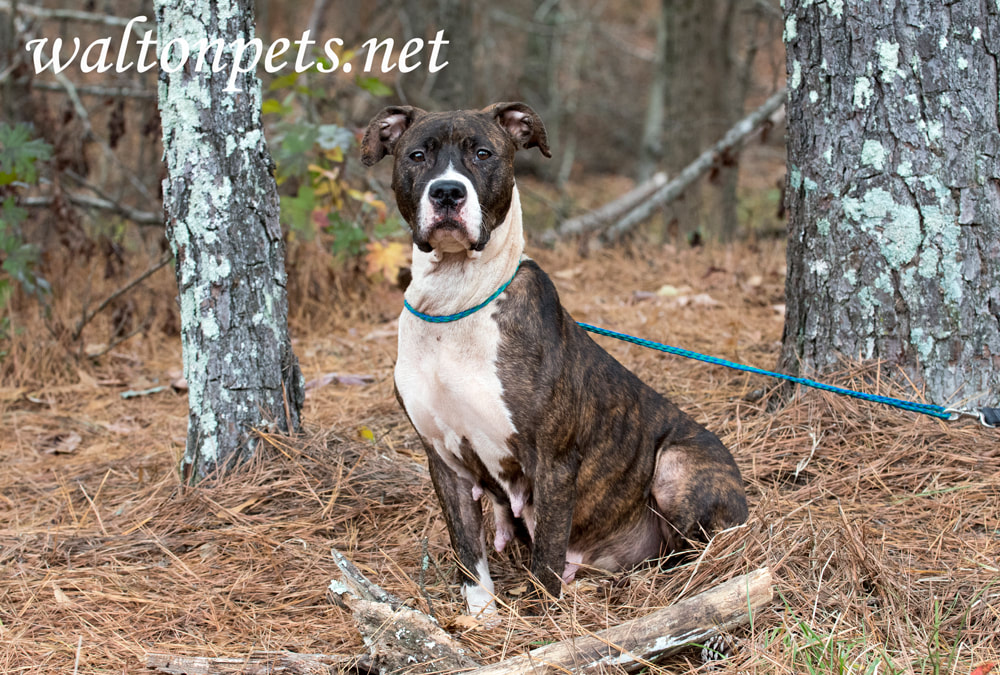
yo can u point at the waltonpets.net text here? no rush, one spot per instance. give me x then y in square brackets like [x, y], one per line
[246, 54]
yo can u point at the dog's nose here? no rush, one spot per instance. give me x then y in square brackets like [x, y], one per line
[447, 193]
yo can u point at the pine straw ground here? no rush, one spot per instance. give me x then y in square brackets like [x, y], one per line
[880, 527]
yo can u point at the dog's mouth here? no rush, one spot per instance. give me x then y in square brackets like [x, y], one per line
[448, 233]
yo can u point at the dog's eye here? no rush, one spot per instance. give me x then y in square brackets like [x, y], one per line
[482, 153]
[417, 156]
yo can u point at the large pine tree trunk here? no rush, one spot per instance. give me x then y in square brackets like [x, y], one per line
[221, 208]
[894, 190]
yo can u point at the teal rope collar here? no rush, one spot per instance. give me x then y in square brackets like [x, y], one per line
[448, 318]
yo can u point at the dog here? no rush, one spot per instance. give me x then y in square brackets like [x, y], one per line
[510, 397]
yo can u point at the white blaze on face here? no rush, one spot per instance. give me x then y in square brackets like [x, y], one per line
[469, 216]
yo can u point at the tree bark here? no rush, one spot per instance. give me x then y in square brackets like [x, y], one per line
[894, 191]
[701, 104]
[221, 211]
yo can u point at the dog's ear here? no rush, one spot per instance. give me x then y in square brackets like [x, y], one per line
[522, 124]
[384, 130]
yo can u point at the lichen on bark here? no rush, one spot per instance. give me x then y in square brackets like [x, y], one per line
[894, 192]
[221, 208]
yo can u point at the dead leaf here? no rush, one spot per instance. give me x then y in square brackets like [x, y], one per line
[384, 260]
[671, 291]
[467, 623]
[62, 444]
[984, 669]
[518, 590]
[61, 598]
[700, 300]
[86, 379]
[567, 274]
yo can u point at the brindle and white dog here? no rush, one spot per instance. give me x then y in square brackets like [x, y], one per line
[515, 401]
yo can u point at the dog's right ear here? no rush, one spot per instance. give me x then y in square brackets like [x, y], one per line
[384, 130]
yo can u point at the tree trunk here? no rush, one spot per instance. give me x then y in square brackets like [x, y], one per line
[894, 191]
[651, 145]
[701, 105]
[221, 207]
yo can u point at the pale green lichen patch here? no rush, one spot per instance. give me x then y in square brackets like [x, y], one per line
[935, 130]
[791, 28]
[894, 226]
[836, 7]
[922, 341]
[862, 92]
[795, 79]
[888, 61]
[873, 154]
[823, 227]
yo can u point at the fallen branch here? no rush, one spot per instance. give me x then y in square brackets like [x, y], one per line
[89, 315]
[88, 201]
[599, 218]
[103, 92]
[402, 639]
[72, 15]
[634, 644]
[705, 161]
[257, 663]
[398, 638]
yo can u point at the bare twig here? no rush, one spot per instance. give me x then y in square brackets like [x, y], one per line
[88, 316]
[257, 663]
[72, 15]
[705, 161]
[135, 215]
[103, 92]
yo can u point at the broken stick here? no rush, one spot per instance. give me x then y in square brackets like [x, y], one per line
[705, 161]
[634, 644]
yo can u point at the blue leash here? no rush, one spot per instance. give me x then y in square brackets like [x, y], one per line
[924, 408]
[988, 417]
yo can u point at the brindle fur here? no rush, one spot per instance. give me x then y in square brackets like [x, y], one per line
[609, 467]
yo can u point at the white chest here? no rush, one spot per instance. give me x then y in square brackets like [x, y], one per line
[446, 375]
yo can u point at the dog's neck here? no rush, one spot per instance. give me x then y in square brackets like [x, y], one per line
[447, 283]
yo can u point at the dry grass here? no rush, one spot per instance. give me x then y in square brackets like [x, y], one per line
[880, 527]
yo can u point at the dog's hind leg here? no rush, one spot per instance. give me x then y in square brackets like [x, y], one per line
[698, 491]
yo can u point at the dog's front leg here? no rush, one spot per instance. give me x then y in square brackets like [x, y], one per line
[554, 498]
[464, 517]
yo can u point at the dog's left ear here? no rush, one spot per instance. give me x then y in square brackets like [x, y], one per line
[522, 124]
[384, 130]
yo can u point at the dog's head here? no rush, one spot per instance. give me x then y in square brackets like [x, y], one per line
[454, 171]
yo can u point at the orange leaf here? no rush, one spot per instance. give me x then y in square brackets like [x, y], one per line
[983, 669]
[385, 259]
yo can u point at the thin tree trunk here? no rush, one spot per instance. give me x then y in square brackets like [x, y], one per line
[651, 145]
[221, 209]
[894, 191]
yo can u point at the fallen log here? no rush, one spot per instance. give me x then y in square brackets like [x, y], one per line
[257, 663]
[402, 639]
[399, 639]
[634, 644]
[705, 161]
[600, 217]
